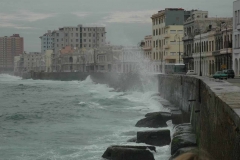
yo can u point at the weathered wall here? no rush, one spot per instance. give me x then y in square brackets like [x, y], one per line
[217, 105]
[123, 81]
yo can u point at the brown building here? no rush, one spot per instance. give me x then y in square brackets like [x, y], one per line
[10, 47]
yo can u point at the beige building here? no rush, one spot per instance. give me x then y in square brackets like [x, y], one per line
[167, 29]
[34, 61]
[48, 60]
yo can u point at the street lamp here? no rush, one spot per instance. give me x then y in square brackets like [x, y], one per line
[200, 64]
[226, 42]
[177, 36]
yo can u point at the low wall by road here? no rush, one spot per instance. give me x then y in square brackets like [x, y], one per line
[215, 110]
[119, 81]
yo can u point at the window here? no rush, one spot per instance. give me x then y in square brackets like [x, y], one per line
[76, 29]
[84, 34]
[173, 31]
[89, 34]
[76, 34]
[76, 40]
[172, 53]
[72, 34]
[89, 40]
[66, 34]
[180, 31]
[84, 40]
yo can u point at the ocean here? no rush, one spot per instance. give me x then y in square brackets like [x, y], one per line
[69, 120]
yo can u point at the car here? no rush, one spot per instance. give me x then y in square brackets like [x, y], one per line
[220, 75]
[191, 72]
[230, 73]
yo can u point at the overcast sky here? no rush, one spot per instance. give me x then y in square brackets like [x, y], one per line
[126, 21]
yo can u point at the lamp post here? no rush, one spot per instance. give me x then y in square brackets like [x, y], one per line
[198, 31]
[177, 36]
[226, 42]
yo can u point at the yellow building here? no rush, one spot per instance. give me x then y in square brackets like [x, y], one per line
[167, 33]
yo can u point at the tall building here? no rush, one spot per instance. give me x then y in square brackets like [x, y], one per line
[10, 47]
[167, 29]
[236, 37]
[46, 41]
[79, 37]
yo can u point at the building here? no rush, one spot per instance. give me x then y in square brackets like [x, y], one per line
[46, 41]
[79, 37]
[10, 47]
[34, 61]
[48, 60]
[196, 23]
[236, 37]
[167, 29]
[214, 48]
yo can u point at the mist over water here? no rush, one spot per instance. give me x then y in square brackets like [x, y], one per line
[75, 120]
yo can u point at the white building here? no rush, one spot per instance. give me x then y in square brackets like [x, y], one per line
[46, 41]
[79, 37]
[236, 37]
[34, 61]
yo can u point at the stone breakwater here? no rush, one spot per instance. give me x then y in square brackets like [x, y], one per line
[182, 139]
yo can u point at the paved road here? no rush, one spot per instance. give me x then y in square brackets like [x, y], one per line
[235, 81]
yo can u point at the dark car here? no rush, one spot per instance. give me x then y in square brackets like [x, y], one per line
[230, 73]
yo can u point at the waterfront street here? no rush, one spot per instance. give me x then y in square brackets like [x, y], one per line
[235, 81]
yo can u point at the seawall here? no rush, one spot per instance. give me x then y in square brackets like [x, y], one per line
[119, 81]
[214, 107]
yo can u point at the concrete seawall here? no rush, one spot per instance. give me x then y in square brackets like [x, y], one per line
[215, 110]
[119, 81]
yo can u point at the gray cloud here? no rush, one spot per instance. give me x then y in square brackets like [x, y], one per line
[142, 16]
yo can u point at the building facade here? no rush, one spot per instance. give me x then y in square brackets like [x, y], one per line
[78, 37]
[10, 47]
[167, 30]
[34, 61]
[198, 22]
[236, 37]
[46, 41]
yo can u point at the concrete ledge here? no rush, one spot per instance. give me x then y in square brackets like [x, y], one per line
[215, 110]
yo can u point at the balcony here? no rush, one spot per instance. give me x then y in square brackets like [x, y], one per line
[188, 37]
[166, 35]
[226, 50]
[187, 56]
[146, 48]
[167, 46]
[215, 53]
[238, 26]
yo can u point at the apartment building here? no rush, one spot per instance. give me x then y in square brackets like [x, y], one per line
[46, 41]
[236, 37]
[197, 23]
[167, 32]
[34, 61]
[10, 47]
[148, 46]
[214, 48]
[78, 37]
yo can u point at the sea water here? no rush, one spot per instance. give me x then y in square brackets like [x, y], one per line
[73, 120]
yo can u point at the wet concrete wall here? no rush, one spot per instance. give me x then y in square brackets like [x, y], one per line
[118, 81]
[214, 107]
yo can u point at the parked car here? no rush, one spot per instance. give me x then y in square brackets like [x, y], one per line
[191, 72]
[230, 73]
[220, 75]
